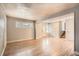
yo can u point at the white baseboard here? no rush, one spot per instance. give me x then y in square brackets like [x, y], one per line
[3, 50]
[5, 43]
[17, 40]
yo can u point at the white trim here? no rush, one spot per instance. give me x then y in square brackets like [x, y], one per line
[17, 40]
[3, 50]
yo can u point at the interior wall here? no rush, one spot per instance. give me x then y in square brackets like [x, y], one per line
[39, 30]
[2, 31]
[70, 27]
[17, 34]
[77, 30]
[55, 29]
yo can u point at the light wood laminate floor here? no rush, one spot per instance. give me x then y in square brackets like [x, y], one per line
[46, 46]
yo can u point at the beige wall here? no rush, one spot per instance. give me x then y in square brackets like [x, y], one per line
[55, 29]
[16, 34]
[39, 30]
[70, 27]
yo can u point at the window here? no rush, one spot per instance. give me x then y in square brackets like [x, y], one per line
[23, 25]
[48, 27]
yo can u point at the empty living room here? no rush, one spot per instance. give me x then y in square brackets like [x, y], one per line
[39, 29]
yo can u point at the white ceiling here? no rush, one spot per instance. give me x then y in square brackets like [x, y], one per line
[35, 11]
